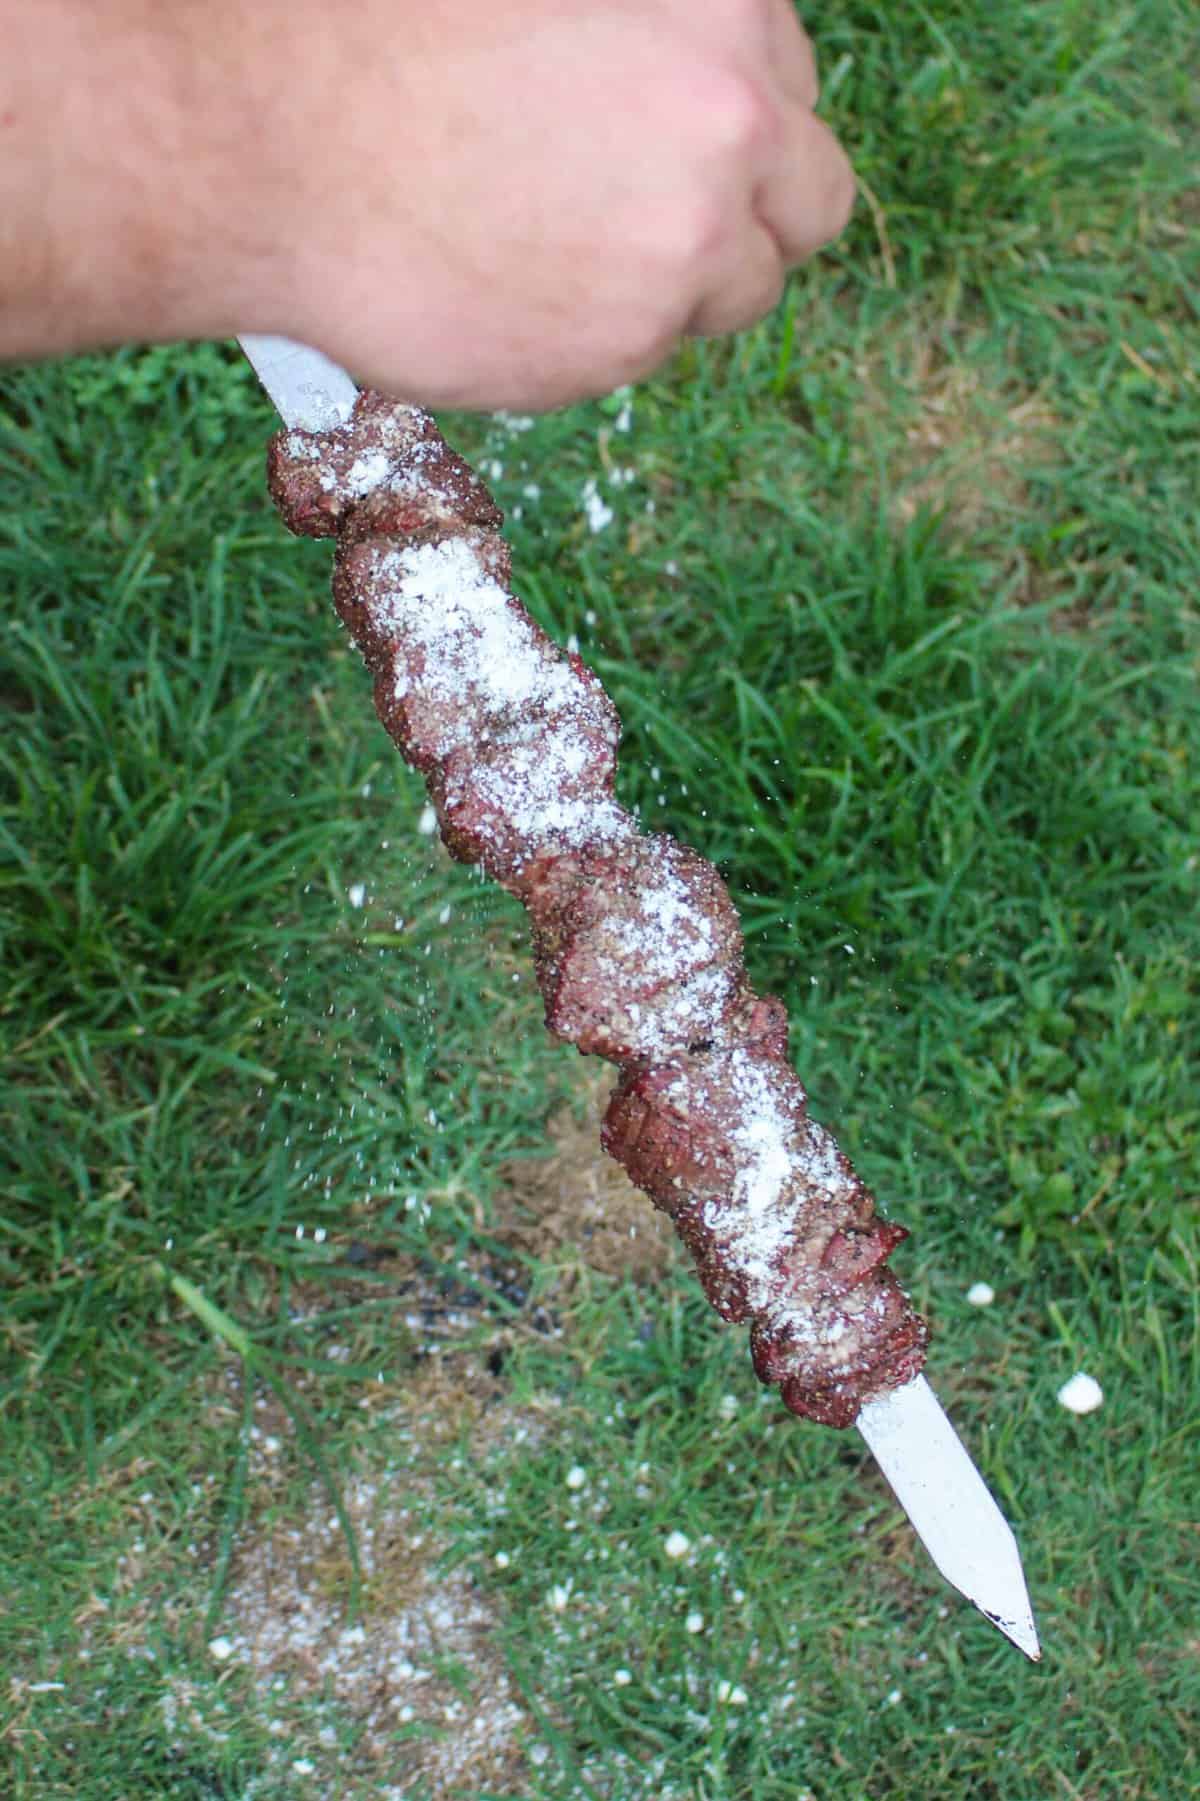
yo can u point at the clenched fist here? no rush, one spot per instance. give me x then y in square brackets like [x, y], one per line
[489, 203]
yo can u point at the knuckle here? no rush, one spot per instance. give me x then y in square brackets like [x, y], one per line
[748, 19]
[649, 349]
[771, 291]
[685, 244]
[741, 119]
[653, 347]
[707, 235]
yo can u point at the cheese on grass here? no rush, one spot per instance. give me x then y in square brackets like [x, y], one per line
[1082, 1394]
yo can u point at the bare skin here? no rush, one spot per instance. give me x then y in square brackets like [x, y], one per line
[490, 203]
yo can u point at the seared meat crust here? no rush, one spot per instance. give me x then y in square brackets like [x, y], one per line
[637, 945]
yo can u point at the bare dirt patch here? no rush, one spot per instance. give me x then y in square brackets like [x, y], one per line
[395, 1686]
[576, 1208]
[388, 1681]
[411, 1694]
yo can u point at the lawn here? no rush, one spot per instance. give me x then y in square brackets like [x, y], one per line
[363, 1434]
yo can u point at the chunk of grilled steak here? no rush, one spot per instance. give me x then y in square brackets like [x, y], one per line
[637, 945]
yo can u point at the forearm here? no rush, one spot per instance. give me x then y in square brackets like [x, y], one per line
[128, 170]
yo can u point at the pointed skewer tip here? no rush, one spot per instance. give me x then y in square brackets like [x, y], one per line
[1022, 1633]
[950, 1507]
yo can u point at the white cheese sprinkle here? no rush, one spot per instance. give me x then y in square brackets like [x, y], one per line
[1082, 1394]
[599, 515]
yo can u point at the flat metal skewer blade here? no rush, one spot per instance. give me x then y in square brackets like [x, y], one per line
[309, 391]
[950, 1506]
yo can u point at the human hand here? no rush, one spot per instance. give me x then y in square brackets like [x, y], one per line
[493, 203]
[517, 203]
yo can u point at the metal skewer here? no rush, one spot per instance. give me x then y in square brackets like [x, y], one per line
[933, 1478]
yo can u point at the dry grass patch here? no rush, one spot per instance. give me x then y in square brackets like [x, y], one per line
[972, 437]
[575, 1208]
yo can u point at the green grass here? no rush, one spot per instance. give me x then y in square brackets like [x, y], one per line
[899, 609]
